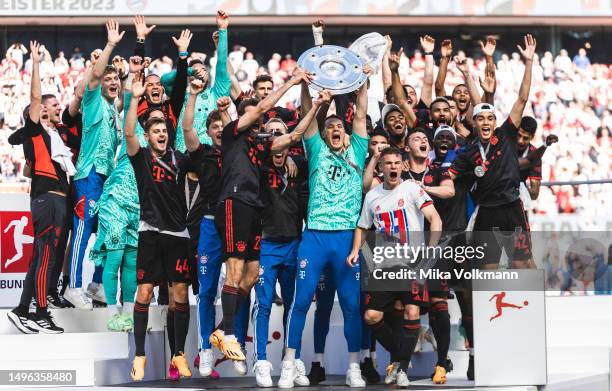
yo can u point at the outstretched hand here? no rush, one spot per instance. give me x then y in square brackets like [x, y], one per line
[182, 43]
[428, 44]
[489, 82]
[462, 64]
[35, 51]
[196, 86]
[530, 46]
[488, 48]
[112, 32]
[394, 60]
[138, 87]
[141, 27]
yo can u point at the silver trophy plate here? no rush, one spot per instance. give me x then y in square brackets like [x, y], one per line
[371, 48]
[334, 68]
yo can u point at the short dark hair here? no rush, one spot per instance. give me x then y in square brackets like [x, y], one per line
[333, 116]
[389, 151]
[457, 86]
[109, 69]
[262, 79]
[213, 116]
[46, 97]
[379, 132]
[529, 124]
[415, 130]
[246, 103]
[152, 122]
[195, 61]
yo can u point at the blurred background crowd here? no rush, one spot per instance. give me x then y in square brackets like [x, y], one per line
[571, 97]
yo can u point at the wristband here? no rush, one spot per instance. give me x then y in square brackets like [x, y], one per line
[429, 53]
[183, 54]
[140, 40]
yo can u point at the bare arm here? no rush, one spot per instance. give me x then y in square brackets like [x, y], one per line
[516, 114]
[35, 89]
[305, 100]
[75, 103]
[132, 144]
[463, 66]
[251, 116]
[235, 89]
[445, 190]
[192, 141]
[358, 240]
[361, 109]
[113, 38]
[428, 44]
[368, 173]
[307, 123]
[398, 89]
[534, 188]
[445, 51]
[435, 224]
[386, 71]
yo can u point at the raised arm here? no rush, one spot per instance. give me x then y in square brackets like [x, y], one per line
[113, 38]
[516, 114]
[488, 84]
[251, 116]
[235, 89]
[138, 89]
[192, 141]
[305, 100]
[463, 66]
[428, 44]
[368, 173]
[222, 78]
[361, 107]
[317, 32]
[223, 103]
[142, 31]
[488, 48]
[307, 123]
[398, 89]
[446, 50]
[35, 89]
[386, 71]
[177, 99]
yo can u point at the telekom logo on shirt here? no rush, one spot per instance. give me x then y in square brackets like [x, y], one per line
[16, 244]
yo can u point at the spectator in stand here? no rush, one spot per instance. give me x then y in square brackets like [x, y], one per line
[581, 61]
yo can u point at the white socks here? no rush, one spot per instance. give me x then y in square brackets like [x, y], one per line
[353, 358]
[289, 355]
[319, 357]
[113, 309]
[365, 353]
[128, 308]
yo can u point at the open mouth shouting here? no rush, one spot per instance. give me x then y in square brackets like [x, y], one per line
[156, 95]
[336, 139]
[278, 159]
[485, 132]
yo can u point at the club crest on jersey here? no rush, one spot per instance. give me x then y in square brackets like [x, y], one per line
[241, 246]
[378, 208]
[494, 140]
[261, 270]
[400, 203]
[203, 259]
[140, 274]
[303, 263]
[428, 179]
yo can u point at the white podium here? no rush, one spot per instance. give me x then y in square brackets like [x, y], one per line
[510, 330]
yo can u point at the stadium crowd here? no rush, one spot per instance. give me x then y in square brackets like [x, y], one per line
[180, 168]
[571, 97]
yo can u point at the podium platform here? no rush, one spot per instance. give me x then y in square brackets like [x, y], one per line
[578, 352]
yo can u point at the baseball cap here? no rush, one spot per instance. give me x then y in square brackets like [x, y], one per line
[445, 128]
[387, 109]
[482, 107]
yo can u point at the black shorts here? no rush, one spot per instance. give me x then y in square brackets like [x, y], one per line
[239, 227]
[384, 301]
[504, 227]
[162, 258]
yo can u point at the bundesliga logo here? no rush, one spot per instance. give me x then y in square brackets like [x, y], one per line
[203, 259]
[303, 263]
